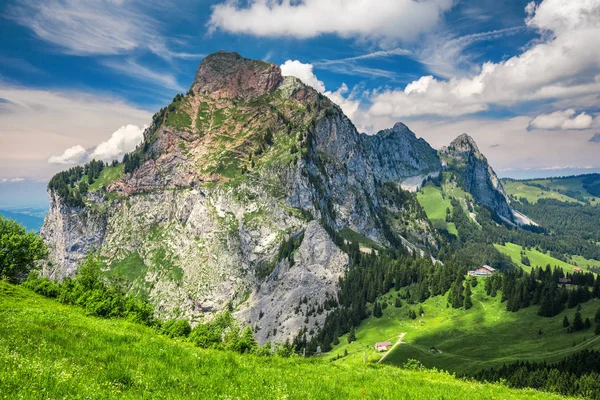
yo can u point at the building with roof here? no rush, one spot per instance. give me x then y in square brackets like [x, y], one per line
[486, 270]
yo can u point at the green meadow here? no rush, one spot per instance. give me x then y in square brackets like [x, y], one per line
[51, 351]
[520, 189]
[539, 259]
[435, 204]
[465, 341]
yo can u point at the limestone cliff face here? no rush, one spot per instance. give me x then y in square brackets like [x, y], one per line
[227, 173]
[478, 176]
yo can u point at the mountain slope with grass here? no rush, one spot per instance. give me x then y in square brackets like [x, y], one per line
[60, 352]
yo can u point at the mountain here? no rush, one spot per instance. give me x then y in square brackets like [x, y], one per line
[241, 195]
[479, 179]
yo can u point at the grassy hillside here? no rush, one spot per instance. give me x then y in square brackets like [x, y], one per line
[48, 350]
[538, 259]
[435, 205]
[520, 189]
[568, 189]
[466, 341]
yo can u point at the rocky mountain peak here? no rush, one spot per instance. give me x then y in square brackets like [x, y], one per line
[464, 144]
[227, 74]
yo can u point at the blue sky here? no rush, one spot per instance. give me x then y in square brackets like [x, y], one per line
[81, 79]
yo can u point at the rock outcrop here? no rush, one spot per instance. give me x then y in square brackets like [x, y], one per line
[478, 176]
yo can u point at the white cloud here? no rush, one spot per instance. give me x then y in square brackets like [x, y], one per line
[134, 70]
[565, 120]
[302, 71]
[561, 64]
[12, 180]
[37, 124]
[71, 156]
[95, 27]
[380, 19]
[122, 141]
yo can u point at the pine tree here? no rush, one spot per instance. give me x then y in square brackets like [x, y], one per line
[597, 316]
[578, 323]
[587, 324]
[566, 322]
[351, 335]
[468, 302]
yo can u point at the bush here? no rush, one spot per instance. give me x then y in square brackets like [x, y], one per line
[176, 328]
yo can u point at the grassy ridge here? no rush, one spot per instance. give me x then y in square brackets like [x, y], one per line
[48, 350]
[485, 336]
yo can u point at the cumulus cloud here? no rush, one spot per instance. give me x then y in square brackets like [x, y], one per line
[304, 72]
[122, 141]
[72, 155]
[565, 120]
[38, 124]
[396, 19]
[558, 65]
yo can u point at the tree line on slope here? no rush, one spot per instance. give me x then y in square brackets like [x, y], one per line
[576, 375]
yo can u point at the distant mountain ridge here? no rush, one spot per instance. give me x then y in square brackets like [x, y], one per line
[239, 194]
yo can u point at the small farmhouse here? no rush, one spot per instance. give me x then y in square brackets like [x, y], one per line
[382, 346]
[577, 270]
[564, 280]
[486, 270]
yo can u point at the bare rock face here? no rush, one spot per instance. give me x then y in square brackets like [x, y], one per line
[478, 176]
[282, 302]
[397, 155]
[225, 74]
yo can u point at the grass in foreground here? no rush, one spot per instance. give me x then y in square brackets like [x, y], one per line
[48, 350]
[467, 341]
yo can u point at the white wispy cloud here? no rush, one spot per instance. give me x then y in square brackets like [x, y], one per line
[12, 180]
[138, 72]
[96, 27]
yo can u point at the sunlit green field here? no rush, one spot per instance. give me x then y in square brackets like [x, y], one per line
[539, 259]
[533, 194]
[435, 205]
[51, 351]
[466, 341]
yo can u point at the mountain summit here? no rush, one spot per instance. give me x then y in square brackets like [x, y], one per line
[241, 195]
